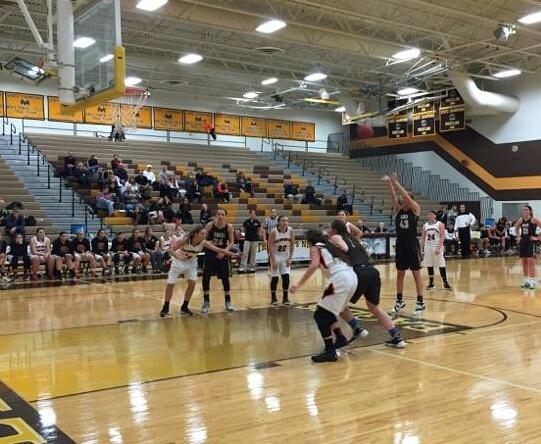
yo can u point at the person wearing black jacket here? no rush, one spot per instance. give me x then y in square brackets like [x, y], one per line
[18, 250]
[185, 212]
[151, 248]
[100, 250]
[136, 246]
[62, 254]
[119, 248]
[205, 216]
[82, 253]
[15, 223]
[69, 164]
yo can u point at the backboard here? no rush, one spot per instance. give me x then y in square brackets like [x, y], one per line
[99, 57]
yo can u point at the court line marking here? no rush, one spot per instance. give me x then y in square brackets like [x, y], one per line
[459, 372]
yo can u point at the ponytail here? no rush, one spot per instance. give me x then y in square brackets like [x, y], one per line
[317, 237]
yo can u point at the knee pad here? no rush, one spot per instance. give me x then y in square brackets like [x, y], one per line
[285, 281]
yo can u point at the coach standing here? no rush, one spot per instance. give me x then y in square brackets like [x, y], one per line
[463, 223]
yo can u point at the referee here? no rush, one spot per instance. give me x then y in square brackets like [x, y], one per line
[463, 223]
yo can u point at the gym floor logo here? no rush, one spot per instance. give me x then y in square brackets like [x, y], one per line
[404, 322]
[20, 423]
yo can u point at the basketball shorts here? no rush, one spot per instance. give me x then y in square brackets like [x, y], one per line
[338, 293]
[281, 267]
[42, 259]
[368, 285]
[432, 259]
[83, 257]
[187, 268]
[216, 267]
[526, 249]
[102, 256]
[408, 255]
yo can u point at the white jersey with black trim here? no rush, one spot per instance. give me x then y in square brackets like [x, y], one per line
[166, 243]
[432, 234]
[41, 246]
[331, 265]
[282, 242]
[189, 252]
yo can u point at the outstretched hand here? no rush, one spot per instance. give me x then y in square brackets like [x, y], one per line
[386, 178]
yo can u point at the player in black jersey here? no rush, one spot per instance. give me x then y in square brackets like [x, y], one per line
[221, 235]
[526, 227]
[100, 249]
[408, 250]
[368, 285]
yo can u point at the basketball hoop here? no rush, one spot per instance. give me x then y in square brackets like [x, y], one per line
[127, 112]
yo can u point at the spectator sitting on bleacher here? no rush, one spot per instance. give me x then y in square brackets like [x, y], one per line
[292, 192]
[155, 212]
[93, 166]
[132, 204]
[62, 253]
[149, 174]
[105, 201]
[15, 222]
[121, 173]
[174, 190]
[117, 133]
[18, 250]
[207, 180]
[164, 181]
[112, 181]
[222, 192]
[185, 212]
[115, 162]
[342, 204]
[381, 228]
[363, 227]
[244, 184]
[192, 188]
[310, 196]
[69, 164]
[205, 215]
[199, 177]
[81, 175]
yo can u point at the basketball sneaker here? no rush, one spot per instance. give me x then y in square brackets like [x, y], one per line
[398, 305]
[286, 301]
[532, 283]
[446, 286]
[397, 341]
[229, 306]
[164, 312]
[420, 307]
[328, 355]
[525, 284]
[341, 341]
[205, 308]
[431, 286]
[359, 332]
[185, 311]
[274, 301]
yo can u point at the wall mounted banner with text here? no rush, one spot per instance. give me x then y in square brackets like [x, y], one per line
[424, 124]
[227, 124]
[397, 128]
[168, 119]
[25, 106]
[54, 112]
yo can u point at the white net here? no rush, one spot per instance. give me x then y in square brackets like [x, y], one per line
[127, 113]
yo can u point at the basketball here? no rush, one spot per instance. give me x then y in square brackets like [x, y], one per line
[365, 131]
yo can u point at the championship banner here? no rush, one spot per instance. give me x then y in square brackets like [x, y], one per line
[304, 131]
[25, 106]
[395, 103]
[423, 108]
[452, 119]
[227, 124]
[424, 124]
[397, 128]
[143, 117]
[194, 122]
[453, 99]
[103, 114]
[300, 254]
[1, 103]
[168, 119]
[253, 127]
[278, 129]
[54, 112]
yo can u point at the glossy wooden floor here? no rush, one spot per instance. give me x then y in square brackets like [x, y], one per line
[98, 363]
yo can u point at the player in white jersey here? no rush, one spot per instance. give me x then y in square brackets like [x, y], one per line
[342, 283]
[184, 253]
[432, 239]
[163, 254]
[281, 246]
[40, 253]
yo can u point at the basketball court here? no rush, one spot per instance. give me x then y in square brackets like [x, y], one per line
[417, 87]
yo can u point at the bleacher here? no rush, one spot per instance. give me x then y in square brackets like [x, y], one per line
[224, 163]
[366, 181]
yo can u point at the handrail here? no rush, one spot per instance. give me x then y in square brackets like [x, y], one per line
[336, 180]
[265, 141]
[5, 123]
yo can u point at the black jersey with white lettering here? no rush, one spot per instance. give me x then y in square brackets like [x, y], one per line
[219, 237]
[356, 253]
[527, 229]
[100, 245]
[406, 226]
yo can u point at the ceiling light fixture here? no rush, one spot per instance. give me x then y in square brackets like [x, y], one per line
[190, 59]
[132, 81]
[83, 42]
[507, 73]
[271, 26]
[250, 95]
[150, 5]
[407, 91]
[315, 77]
[341, 109]
[106, 58]
[269, 81]
[407, 54]
[531, 19]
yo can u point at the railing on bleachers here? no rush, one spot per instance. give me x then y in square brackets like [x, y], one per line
[427, 184]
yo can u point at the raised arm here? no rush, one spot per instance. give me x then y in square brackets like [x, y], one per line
[408, 201]
[355, 230]
[338, 242]
[394, 199]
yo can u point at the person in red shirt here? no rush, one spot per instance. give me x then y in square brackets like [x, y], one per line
[222, 192]
[209, 128]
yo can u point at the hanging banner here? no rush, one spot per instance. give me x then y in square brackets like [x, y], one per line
[423, 108]
[54, 113]
[453, 99]
[253, 127]
[103, 114]
[278, 129]
[452, 119]
[397, 128]
[227, 124]
[168, 119]
[305, 131]
[143, 117]
[395, 103]
[1, 103]
[424, 124]
[194, 121]
[25, 106]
